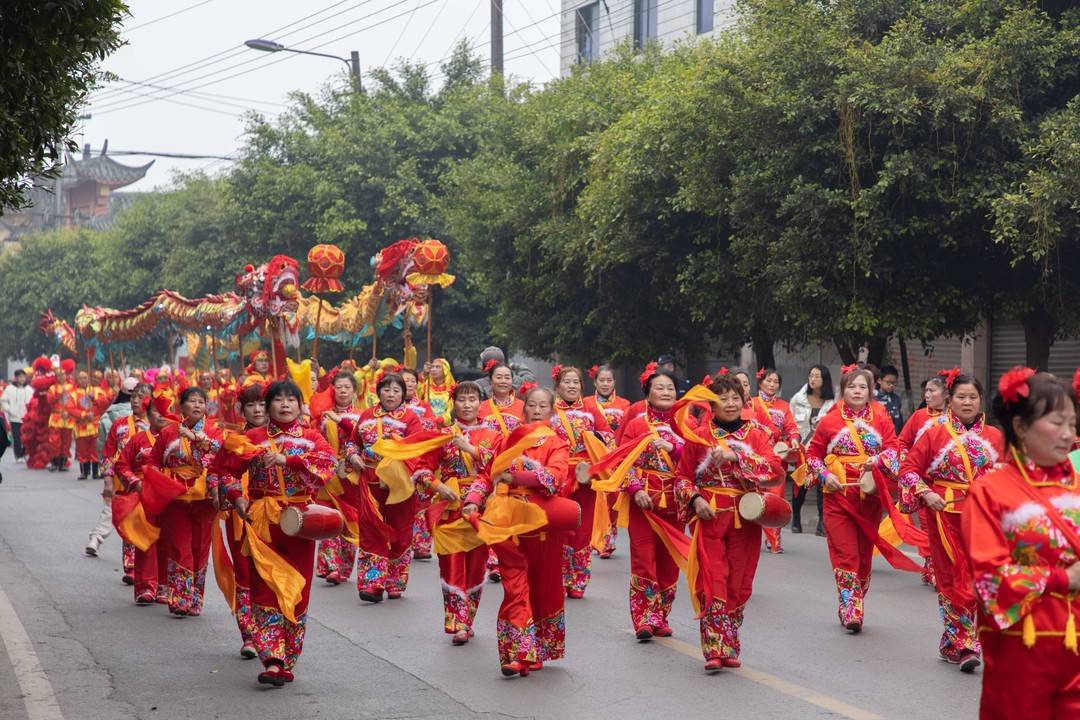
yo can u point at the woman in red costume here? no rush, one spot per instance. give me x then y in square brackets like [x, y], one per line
[385, 545]
[150, 565]
[294, 463]
[855, 437]
[502, 410]
[937, 474]
[768, 403]
[448, 473]
[579, 422]
[61, 416]
[725, 457]
[1021, 530]
[337, 556]
[532, 617]
[615, 410]
[936, 396]
[421, 540]
[650, 486]
[183, 451]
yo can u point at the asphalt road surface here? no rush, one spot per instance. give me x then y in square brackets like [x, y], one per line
[74, 646]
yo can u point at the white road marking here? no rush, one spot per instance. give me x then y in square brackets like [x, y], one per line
[37, 692]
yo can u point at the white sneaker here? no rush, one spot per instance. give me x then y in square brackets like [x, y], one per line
[93, 545]
[21, 460]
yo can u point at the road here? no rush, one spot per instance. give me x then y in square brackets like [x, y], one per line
[75, 647]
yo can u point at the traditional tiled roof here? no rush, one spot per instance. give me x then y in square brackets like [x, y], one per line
[105, 170]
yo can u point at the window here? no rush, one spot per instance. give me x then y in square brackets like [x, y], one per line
[644, 21]
[706, 9]
[587, 22]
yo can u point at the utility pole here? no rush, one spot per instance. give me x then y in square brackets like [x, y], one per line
[496, 37]
[354, 70]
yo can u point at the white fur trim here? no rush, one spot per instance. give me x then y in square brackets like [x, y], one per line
[936, 420]
[1066, 501]
[939, 459]
[173, 448]
[463, 594]
[298, 442]
[1021, 516]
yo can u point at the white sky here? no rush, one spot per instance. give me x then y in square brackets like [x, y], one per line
[194, 49]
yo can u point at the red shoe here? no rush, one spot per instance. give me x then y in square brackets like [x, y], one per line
[272, 675]
[334, 578]
[145, 598]
[714, 665]
[162, 597]
[287, 674]
[518, 667]
[460, 637]
[394, 594]
[606, 554]
[538, 665]
[731, 662]
[248, 651]
[371, 595]
[575, 594]
[644, 633]
[663, 631]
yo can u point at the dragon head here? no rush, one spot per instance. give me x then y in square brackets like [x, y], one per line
[271, 289]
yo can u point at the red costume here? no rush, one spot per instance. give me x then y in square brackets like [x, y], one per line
[186, 524]
[777, 413]
[653, 570]
[279, 619]
[727, 548]
[87, 406]
[947, 459]
[531, 621]
[845, 440]
[504, 418]
[35, 427]
[150, 566]
[120, 432]
[462, 573]
[61, 422]
[337, 556]
[572, 423]
[1021, 530]
[920, 421]
[385, 545]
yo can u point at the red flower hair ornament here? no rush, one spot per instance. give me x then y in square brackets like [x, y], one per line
[593, 372]
[707, 380]
[490, 365]
[760, 374]
[1076, 383]
[525, 388]
[845, 369]
[648, 372]
[949, 376]
[556, 371]
[1014, 384]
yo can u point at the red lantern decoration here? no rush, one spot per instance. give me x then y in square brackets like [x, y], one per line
[430, 259]
[326, 263]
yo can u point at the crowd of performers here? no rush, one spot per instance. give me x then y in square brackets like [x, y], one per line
[370, 467]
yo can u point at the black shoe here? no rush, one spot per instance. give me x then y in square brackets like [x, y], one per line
[820, 532]
[796, 526]
[84, 471]
[96, 471]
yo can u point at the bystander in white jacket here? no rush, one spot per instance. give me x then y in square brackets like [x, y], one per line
[801, 410]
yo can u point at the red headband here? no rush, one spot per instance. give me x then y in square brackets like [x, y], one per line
[1014, 384]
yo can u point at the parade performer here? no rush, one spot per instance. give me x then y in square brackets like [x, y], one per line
[61, 416]
[725, 457]
[935, 395]
[128, 469]
[386, 529]
[769, 404]
[35, 427]
[228, 398]
[286, 464]
[650, 451]
[937, 474]
[214, 406]
[232, 569]
[1021, 530]
[502, 410]
[88, 403]
[529, 471]
[337, 556]
[183, 451]
[614, 409]
[580, 422]
[438, 383]
[422, 540]
[258, 369]
[856, 437]
[448, 473]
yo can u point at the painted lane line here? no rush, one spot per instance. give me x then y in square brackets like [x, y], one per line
[37, 691]
[813, 697]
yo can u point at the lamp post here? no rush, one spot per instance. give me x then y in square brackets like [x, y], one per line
[352, 62]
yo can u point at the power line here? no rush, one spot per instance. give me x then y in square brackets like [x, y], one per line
[404, 29]
[436, 19]
[166, 17]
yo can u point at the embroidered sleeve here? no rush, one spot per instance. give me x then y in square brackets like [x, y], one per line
[314, 467]
[912, 484]
[124, 467]
[229, 469]
[686, 487]
[545, 475]
[1008, 586]
[758, 464]
[815, 456]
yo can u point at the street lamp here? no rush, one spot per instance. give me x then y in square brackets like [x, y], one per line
[352, 62]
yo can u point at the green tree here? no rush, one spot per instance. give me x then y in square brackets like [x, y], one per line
[49, 53]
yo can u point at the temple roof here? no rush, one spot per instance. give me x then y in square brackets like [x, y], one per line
[105, 170]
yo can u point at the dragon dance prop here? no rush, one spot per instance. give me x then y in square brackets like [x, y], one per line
[58, 329]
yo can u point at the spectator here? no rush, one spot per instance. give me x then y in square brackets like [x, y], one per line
[886, 395]
[522, 373]
[667, 362]
[808, 406]
[13, 403]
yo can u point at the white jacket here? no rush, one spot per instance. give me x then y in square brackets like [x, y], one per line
[800, 409]
[14, 401]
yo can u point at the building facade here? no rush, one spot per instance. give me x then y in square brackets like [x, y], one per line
[589, 29]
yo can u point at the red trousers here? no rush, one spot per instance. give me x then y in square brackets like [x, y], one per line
[463, 575]
[278, 640]
[531, 624]
[577, 555]
[851, 550]
[86, 449]
[150, 567]
[60, 444]
[731, 556]
[772, 535]
[383, 564]
[653, 572]
[242, 576]
[186, 531]
[1038, 683]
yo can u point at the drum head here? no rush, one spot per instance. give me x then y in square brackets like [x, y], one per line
[751, 506]
[867, 484]
[781, 448]
[291, 521]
